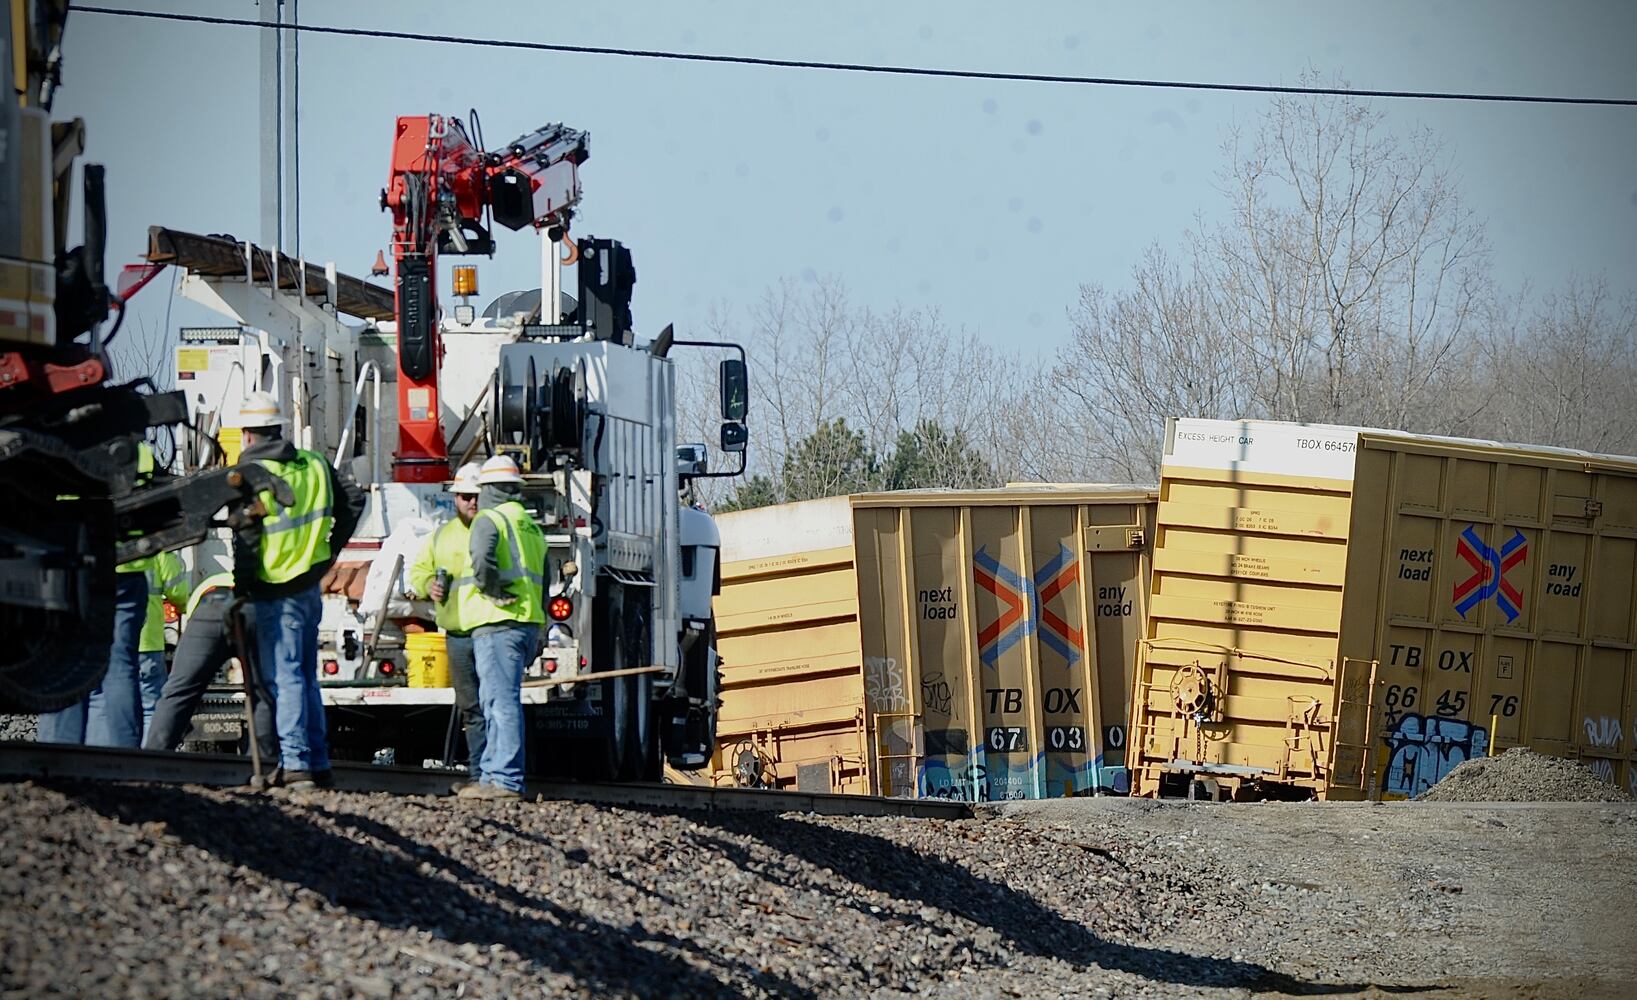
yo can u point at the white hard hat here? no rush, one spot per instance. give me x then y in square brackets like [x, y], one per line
[466, 479]
[500, 469]
[259, 409]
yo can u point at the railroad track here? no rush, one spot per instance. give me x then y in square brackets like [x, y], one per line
[44, 761]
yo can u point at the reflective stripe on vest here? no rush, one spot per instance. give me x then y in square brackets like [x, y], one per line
[522, 562]
[207, 585]
[296, 539]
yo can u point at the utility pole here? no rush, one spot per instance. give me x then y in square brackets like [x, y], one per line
[280, 196]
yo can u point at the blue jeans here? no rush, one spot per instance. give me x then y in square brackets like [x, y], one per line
[503, 653]
[151, 673]
[111, 715]
[287, 645]
[468, 706]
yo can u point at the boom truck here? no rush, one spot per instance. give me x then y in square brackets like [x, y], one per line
[627, 678]
[76, 502]
[589, 412]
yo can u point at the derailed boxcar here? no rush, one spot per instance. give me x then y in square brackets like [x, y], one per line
[1352, 613]
[975, 645]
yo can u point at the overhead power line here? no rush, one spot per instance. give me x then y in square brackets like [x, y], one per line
[926, 71]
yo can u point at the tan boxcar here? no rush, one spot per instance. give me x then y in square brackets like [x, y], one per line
[787, 629]
[973, 645]
[1352, 613]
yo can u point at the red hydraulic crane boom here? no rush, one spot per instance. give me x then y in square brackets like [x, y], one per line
[443, 190]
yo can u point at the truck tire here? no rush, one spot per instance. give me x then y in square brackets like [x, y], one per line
[642, 756]
[605, 756]
[52, 659]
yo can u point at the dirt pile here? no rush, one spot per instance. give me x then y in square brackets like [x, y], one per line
[1522, 775]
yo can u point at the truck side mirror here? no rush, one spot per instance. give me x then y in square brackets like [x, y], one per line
[734, 436]
[692, 460]
[735, 383]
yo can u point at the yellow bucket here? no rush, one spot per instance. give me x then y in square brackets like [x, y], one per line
[428, 659]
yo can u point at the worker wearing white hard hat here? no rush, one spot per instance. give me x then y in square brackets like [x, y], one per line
[508, 558]
[258, 410]
[500, 470]
[279, 557]
[443, 572]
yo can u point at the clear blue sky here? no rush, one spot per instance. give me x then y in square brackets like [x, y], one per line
[989, 201]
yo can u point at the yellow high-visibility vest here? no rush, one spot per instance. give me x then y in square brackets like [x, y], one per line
[521, 556]
[295, 539]
[167, 580]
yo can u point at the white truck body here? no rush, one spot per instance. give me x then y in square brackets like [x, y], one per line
[613, 510]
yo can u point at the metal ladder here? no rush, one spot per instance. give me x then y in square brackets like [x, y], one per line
[1343, 774]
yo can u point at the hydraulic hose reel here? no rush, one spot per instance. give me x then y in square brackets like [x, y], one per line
[539, 416]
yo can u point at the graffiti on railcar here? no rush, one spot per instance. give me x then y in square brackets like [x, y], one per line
[980, 777]
[956, 779]
[936, 696]
[884, 684]
[1422, 749]
[1604, 733]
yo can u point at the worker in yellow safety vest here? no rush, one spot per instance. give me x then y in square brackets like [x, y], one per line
[112, 714]
[167, 581]
[205, 646]
[508, 552]
[279, 557]
[443, 572]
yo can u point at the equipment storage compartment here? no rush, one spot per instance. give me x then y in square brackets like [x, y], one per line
[1351, 613]
[974, 645]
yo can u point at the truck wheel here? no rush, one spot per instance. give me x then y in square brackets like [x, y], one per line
[605, 757]
[642, 756]
[51, 659]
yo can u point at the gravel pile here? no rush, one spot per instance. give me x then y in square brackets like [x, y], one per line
[19, 727]
[127, 890]
[1522, 775]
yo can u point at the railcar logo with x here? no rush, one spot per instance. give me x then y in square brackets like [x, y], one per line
[1023, 606]
[1489, 569]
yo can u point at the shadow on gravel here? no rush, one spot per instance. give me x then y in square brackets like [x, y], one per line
[388, 886]
[1024, 922]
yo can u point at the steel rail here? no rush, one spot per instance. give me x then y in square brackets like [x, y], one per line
[47, 761]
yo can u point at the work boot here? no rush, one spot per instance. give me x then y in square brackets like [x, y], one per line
[493, 793]
[270, 779]
[324, 778]
[301, 781]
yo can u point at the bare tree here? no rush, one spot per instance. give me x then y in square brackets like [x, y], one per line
[1343, 287]
[1137, 357]
[1349, 271]
[893, 377]
[1565, 374]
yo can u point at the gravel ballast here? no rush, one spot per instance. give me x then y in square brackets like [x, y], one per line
[19, 727]
[1522, 775]
[143, 890]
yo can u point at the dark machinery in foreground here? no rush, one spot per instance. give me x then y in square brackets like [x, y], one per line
[74, 501]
